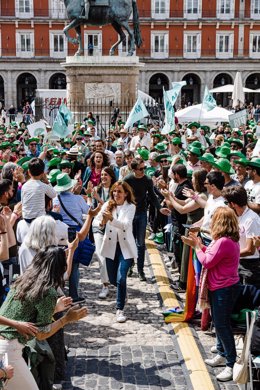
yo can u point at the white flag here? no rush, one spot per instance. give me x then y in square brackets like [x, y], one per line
[138, 112]
[169, 114]
[37, 128]
[174, 92]
[209, 103]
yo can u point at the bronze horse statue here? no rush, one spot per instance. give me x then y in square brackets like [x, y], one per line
[103, 12]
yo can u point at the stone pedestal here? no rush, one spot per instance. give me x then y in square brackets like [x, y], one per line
[102, 78]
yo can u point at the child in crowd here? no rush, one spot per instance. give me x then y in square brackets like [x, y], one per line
[34, 191]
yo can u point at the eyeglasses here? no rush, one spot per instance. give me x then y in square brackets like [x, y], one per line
[233, 146]
[164, 161]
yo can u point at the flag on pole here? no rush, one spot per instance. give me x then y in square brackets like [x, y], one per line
[138, 112]
[169, 114]
[209, 103]
[174, 92]
[37, 128]
[62, 121]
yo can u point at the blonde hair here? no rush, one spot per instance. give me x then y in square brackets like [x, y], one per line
[224, 223]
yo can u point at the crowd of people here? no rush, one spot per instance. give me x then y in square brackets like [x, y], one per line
[195, 187]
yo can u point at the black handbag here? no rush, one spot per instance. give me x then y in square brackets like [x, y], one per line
[86, 248]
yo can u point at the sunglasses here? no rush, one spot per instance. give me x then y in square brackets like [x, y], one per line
[164, 161]
[141, 169]
[33, 144]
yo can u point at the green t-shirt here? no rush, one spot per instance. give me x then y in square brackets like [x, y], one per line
[38, 311]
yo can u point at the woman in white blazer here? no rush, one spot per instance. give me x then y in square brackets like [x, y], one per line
[118, 247]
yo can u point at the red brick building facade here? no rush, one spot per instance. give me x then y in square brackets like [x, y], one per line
[204, 42]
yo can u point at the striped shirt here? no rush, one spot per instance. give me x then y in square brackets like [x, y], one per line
[33, 198]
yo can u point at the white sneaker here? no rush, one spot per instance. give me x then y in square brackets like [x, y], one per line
[103, 293]
[213, 349]
[151, 237]
[218, 360]
[225, 375]
[120, 317]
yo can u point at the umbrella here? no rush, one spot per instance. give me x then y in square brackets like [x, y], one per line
[196, 113]
[229, 88]
[238, 95]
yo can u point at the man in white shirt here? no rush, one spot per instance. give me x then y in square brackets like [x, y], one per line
[249, 227]
[142, 139]
[252, 187]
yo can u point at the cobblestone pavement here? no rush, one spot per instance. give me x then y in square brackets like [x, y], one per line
[139, 354]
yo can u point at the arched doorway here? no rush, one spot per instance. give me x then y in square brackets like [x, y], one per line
[156, 84]
[2, 91]
[223, 99]
[26, 87]
[190, 93]
[253, 82]
[58, 81]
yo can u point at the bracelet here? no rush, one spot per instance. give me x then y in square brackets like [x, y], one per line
[3, 232]
[5, 373]
[195, 197]
[17, 215]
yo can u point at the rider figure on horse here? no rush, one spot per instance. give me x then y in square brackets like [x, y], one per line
[85, 8]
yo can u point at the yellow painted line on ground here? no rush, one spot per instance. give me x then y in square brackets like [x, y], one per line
[196, 367]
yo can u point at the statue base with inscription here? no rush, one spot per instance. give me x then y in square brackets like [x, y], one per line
[102, 79]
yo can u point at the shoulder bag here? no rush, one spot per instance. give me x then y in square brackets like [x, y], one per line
[86, 248]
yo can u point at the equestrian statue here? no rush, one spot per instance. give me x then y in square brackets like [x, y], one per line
[100, 13]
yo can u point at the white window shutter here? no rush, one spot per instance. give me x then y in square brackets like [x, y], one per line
[166, 44]
[199, 44]
[217, 45]
[231, 47]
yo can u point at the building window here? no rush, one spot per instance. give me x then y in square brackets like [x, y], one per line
[124, 47]
[160, 43]
[254, 50]
[25, 44]
[93, 43]
[225, 9]
[192, 45]
[224, 45]
[192, 9]
[255, 9]
[24, 8]
[58, 9]
[58, 44]
[160, 9]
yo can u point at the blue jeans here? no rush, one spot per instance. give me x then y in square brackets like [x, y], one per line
[139, 231]
[222, 302]
[117, 270]
[74, 281]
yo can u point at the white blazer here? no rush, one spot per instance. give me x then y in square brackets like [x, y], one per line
[120, 229]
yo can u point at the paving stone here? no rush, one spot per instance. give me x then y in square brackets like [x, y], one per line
[138, 355]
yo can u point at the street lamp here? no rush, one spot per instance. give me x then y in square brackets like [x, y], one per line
[256, 80]
[191, 81]
[159, 81]
[222, 81]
